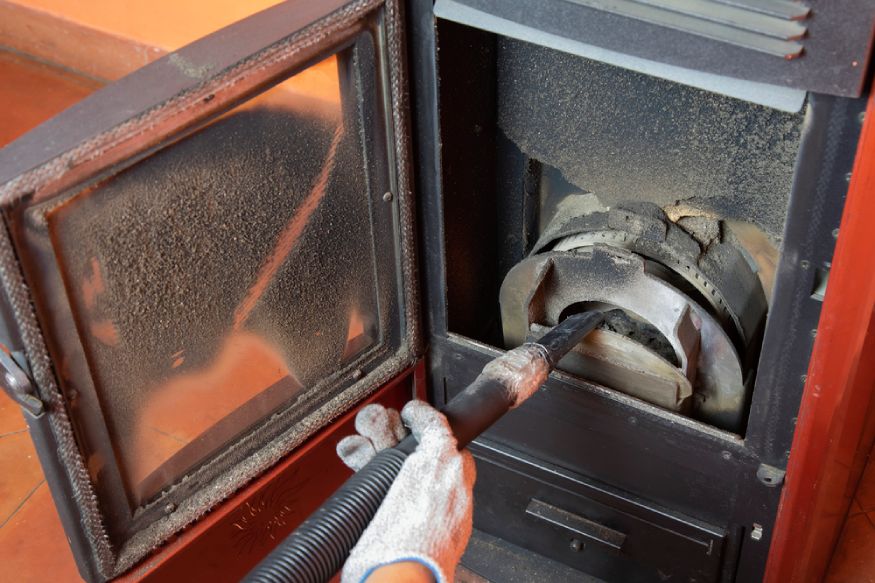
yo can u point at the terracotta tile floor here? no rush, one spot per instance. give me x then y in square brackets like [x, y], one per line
[32, 92]
[32, 543]
[854, 558]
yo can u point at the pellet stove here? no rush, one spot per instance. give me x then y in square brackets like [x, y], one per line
[210, 263]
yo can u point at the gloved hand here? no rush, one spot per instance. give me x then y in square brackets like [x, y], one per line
[427, 515]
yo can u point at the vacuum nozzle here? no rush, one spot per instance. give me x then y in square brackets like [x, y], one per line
[567, 334]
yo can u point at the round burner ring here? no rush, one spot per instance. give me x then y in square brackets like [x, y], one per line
[538, 290]
[717, 274]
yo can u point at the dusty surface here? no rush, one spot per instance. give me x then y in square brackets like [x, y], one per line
[640, 331]
[628, 136]
[522, 371]
[258, 224]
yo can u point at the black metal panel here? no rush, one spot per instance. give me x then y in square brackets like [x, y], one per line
[641, 542]
[753, 518]
[820, 185]
[661, 459]
[495, 559]
[665, 458]
[467, 95]
[422, 60]
[834, 59]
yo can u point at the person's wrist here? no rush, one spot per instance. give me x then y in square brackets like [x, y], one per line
[404, 571]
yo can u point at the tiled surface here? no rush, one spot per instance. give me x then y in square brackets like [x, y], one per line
[32, 543]
[854, 558]
[32, 92]
[11, 421]
[20, 473]
[33, 547]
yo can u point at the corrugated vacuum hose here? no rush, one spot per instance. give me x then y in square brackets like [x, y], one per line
[316, 551]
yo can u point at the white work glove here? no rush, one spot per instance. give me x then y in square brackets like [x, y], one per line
[427, 514]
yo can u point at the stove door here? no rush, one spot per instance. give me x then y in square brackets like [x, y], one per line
[206, 262]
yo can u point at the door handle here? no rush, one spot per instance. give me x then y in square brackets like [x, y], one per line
[576, 524]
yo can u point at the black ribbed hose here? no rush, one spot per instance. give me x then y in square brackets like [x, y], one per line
[320, 546]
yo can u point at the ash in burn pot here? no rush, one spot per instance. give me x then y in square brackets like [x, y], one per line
[629, 325]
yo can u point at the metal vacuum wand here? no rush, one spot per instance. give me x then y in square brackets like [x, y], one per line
[513, 377]
[316, 551]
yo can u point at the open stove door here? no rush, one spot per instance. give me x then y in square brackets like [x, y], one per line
[205, 263]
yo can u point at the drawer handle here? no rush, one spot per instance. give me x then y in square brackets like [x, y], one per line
[576, 524]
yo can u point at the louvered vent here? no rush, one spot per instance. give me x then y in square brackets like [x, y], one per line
[774, 27]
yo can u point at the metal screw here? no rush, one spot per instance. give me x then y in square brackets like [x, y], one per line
[756, 532]
[357, 374]
[814, 333]
[861, 117]
[848, 177]
[576, 545]
[835, 233]
[726, 455]
[169, 508]
[803, 378]
[387, 197]
[804, 264]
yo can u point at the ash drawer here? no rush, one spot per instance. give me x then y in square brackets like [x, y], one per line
[598, 531]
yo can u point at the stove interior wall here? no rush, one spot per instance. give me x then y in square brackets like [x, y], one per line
[523, 125]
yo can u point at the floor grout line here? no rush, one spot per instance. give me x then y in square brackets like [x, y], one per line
[170, 435]
[20, 504]
[12, 433]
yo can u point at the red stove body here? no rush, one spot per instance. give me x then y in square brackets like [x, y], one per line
[209, 265]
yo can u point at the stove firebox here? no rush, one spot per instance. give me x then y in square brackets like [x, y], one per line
[572, 179]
